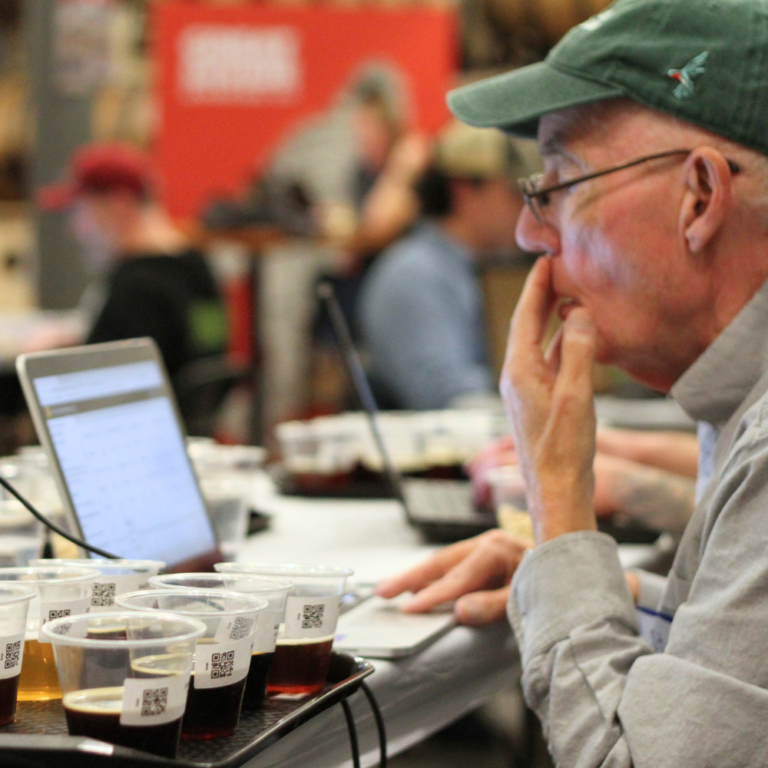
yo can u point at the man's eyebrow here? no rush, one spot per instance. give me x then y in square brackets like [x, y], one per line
[553, 146]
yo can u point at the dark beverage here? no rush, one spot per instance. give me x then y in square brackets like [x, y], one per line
[256, 682]
[212, 712]
[317, 482]
[96, 713]
[111, 632]
[300, 666]
[8, 689]
[99, 665]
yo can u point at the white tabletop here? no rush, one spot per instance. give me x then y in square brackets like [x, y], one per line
[418, 695]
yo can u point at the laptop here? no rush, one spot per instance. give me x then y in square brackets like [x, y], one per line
[441, 510]
[108, 418]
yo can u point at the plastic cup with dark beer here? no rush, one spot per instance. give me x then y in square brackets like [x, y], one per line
[117, 577]
[304, 643]
[59, 592]
[274, 591]
[222, 657]
[128, 686]
[14, 604]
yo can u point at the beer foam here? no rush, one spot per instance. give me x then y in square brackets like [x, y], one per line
[95, 701]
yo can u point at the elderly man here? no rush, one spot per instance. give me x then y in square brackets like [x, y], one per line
[652, 216]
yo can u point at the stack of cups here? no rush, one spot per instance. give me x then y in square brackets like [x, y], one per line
[58, 592]
[222, 658]
[117, 577]
[274, 591]
[304, 643]
[128, 685]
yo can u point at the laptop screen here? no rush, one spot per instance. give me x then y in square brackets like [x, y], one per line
[121, 455]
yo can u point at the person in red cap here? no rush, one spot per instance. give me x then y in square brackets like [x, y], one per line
[156, 284]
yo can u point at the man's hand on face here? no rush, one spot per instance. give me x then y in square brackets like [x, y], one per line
[475, 573]
[549, 400]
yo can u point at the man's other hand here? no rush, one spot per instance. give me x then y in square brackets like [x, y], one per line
[475, 573]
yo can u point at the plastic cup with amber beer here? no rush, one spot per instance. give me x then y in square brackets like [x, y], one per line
[117, 577]
[222, 657]
[304, 643]
[127, 686]
[59, 592]
[14, 604]
[274, 591]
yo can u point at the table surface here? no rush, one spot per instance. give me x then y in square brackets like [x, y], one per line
[418, 695]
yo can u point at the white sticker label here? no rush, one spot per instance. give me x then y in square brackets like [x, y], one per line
[267, 626]
[220, 664]
[11, 652]
[154, 700]
[59, 609]
[107, 588]
[311, 616]
[234, 628]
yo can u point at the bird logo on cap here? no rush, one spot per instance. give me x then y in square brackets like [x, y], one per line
[684, 76]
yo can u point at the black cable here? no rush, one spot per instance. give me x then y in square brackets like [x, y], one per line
[379, 724]
[352, 733]
[55, 528]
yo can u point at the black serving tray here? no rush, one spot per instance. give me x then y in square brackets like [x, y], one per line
[39, 737]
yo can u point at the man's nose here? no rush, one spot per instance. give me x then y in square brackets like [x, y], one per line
[536, 236]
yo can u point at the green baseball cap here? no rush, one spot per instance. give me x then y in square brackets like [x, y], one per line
[703, 61]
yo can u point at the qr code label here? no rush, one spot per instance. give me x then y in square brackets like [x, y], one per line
[103, 594]
[51, 610]
[12, 654]
[312, 616]
[222, 664]
[154, 701]
[307, 617]
[241, 628]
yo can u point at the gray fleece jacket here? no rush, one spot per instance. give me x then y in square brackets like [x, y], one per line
[693, 691]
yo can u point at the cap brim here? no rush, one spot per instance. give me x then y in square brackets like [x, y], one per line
[56, 197]
[516, 100]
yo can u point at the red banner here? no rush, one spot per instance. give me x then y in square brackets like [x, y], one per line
[234, 81]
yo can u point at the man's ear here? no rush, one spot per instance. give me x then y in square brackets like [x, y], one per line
[707, 197]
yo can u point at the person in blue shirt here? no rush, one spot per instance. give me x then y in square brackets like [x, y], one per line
[421, 308]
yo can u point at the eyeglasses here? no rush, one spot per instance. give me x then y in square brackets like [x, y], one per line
[538, 199]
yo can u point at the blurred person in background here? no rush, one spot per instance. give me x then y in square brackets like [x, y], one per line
[150, 280]
[389, 159]
[421, 308]
[647, 476]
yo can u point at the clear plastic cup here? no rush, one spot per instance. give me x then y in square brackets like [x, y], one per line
[59, 592]
[14, 605]
[274, 591]
[227, 475]
[222, 657]
[117, 577]
[304, 643]
[509, 500]
[125, 675]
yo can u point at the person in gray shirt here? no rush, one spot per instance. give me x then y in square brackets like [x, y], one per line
[421, 308]
[652, 118]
